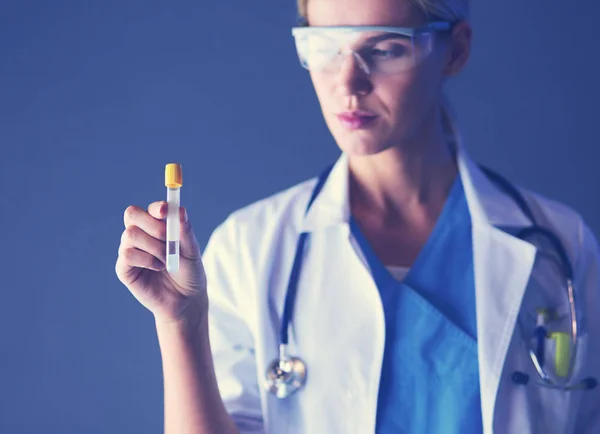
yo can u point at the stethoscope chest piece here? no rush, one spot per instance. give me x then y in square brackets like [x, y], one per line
[285, 376]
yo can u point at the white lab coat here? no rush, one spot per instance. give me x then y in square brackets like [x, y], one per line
[338, 321]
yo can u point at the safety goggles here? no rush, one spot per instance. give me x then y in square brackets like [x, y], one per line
[377, 49]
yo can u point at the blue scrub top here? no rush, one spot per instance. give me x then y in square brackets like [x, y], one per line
[430, 378]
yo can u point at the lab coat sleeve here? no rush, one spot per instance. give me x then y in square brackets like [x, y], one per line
[231, 337]
[588, 267]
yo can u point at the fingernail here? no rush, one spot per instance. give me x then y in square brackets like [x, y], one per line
[185, 216]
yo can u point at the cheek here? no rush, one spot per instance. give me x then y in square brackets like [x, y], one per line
[409, 95]
[323, 92]
[326, 97]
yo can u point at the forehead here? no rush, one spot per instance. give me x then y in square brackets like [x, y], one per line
[400, 13]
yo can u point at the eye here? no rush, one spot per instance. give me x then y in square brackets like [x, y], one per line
[390, 50]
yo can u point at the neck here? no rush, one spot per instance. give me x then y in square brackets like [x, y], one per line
[406, 184]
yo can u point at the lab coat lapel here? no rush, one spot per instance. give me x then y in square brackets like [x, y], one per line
[503, 265]
[342, 330]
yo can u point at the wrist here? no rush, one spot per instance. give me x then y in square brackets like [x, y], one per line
[191, 321]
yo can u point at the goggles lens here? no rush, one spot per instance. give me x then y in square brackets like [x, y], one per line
[388, 51]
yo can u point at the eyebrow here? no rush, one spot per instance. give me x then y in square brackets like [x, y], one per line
[385, 37]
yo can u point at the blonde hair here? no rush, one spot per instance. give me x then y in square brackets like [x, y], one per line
[445, 10]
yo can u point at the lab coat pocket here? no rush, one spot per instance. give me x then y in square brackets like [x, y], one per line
[558, 406]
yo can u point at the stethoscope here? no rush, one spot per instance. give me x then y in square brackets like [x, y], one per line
[287, 374]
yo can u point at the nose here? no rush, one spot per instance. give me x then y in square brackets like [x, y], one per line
[354, 75]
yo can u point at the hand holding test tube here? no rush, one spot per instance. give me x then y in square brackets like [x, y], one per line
[160, 260]
[173, 182]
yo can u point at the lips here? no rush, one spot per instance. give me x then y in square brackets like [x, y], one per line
[356, 120]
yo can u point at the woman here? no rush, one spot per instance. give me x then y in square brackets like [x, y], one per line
[410, 280]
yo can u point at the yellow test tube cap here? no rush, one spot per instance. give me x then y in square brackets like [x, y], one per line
[173, 175]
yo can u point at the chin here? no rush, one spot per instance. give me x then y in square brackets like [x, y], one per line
[357, 144]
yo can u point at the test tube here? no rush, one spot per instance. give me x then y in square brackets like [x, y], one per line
[173, 182]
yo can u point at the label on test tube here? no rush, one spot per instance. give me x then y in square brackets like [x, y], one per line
[173, 182]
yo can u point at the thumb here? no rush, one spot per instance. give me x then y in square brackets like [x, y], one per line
[188, 244]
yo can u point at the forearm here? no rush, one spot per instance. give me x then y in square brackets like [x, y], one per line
[193, 404]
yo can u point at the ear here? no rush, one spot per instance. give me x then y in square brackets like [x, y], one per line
[459, 48]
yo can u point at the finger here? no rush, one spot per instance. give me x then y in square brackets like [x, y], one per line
[188, 244]
[135, 216]
[133, 258]
[134, 237]
[158, 209]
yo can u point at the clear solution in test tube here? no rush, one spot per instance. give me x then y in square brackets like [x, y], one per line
[173, 182]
